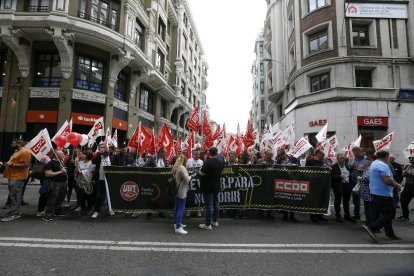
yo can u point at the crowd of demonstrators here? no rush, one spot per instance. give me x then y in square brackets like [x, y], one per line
[379, 182]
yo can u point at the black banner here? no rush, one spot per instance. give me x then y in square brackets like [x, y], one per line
[300, 189]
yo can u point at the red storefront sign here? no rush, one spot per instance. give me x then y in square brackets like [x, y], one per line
[372, 121]
[38, 116]
[119, 124]
[84, 119]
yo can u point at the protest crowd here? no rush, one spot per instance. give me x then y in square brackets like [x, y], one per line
[71, 163]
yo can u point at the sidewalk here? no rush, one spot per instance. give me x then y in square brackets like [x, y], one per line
[4, 181]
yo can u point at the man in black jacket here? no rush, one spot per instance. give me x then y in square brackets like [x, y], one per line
[341, 187]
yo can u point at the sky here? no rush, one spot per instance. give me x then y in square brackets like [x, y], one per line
[228, 30]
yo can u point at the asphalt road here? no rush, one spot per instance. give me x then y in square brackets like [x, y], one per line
[122, 245]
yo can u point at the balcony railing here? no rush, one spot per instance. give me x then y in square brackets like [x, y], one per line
[86, 16]
[36, 8]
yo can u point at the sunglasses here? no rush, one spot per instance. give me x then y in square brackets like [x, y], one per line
[410, 158]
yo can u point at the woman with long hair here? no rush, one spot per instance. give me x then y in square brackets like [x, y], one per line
[182, 179]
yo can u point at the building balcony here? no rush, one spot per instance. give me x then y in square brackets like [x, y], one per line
[29, 8]
[105, 23]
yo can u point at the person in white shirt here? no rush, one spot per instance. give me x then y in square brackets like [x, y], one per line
[194, 164]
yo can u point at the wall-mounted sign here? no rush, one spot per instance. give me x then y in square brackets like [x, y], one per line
[377, 10]
[372, 121]
[84, 119]
[321, 122]
[119, 124]
[38, 116]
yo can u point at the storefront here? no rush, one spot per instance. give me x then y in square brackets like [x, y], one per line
[371, 129]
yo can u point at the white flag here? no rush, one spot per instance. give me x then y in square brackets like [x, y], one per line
[408, 151]
[108, 140]
[329, 147]
[300, 148]
[384, 143]
[40, 145]
[97, 130]
[348, 149]
[64, 130]
[114, 139]
[321, 136]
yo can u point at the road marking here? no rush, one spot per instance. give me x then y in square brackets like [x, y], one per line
[25, 242]
[183, 244]
[204, 250]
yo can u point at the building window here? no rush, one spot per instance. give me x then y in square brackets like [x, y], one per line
[121, 87]
[261, 87]
[89, 74]
[163, 111]
[2, 68]
[161, 29]
[184, 44]
[169, 27]
[261, 49]
[139, 35]
[272, 118]
[185, 65]
[318, 42]
[360, 35]
[37, 6]
[194, 100]
[315, 4]
[183, 86]
[279, 110]
[363, 78]
[145, 100]
[185, 19]
[160, 61]
[261, 67]
[262, 107]
[48, 73]
[103, 12]
[190, 95]
[262, 126]
[320, 82]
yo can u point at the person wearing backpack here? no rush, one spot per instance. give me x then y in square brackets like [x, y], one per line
[182, 180]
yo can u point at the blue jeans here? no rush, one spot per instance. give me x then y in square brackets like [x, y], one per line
[15, 194]
[212, 207]
[179, 207]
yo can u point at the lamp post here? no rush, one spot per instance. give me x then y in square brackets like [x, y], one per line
[281, 63]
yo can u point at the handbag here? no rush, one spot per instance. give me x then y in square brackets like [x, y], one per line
[172, 185]
[38, 171]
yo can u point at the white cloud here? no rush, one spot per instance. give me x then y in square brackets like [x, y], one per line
[228, 30]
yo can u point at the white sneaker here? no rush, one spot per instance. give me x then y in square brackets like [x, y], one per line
[40, 214]
[95, 215]
[187, 214]
[215, 223]
[181, 231]
[182, 226]
[205, 227]
[199, 214]
[10, 218]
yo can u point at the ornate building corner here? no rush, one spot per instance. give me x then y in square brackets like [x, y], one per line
[14, 39]
[64, 43]
[119, 60]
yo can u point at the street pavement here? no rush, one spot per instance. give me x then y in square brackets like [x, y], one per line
[124, 245]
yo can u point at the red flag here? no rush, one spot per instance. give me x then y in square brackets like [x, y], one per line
[249, 138]
[189, 144]
[206, 129]
[171, 155]
[178, 143]
[193, 121]
[208, 142]
[153, 146]
[217, 133]
[144, 139]
[165, 139]
[133, 141]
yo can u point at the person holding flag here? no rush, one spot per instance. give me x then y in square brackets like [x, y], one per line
[16, 171]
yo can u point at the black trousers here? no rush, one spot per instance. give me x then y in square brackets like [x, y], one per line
[405, 197]
[384, 208]
[100, 194]
[342, 194]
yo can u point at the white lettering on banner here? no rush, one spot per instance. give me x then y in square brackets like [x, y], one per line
[377, 10]
[373, 122]
[87, 119]
[39, 145]
[224, 197]
[299, 146]
[236, 182]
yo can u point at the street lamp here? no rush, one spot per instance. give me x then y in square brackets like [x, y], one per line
[281, 63]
